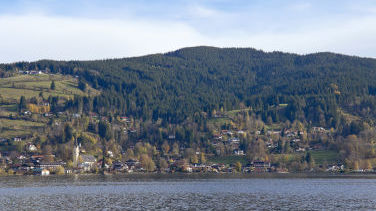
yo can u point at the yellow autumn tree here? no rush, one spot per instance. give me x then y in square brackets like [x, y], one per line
[38, 109]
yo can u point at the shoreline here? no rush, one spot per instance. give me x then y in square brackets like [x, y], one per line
[217, 175]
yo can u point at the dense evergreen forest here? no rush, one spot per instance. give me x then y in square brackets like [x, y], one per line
[187, 82]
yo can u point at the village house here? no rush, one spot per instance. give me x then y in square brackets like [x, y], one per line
[87, 162]
[27, 166]
[171, 137]
[50, 165]
[227, 132]
[318, 130]
[119, 166]
[300, 149]
[335, 168]
[4, 162]
[76, 115]
[45, 172]
[273, 132]
[261, 166]
[218, 167]
[125, 119]
[217, 137]
[37, 158]
[181, 165]
[48, 114]
[45, 103]
[296, 140]
[270, 143]
[132, 164]
[219, 115]
[290, 134]
[40, 171]
[240, 132]
[17, 139]
[132, 130]
[201, 168]
[93, 115]
[21, 157]
[34, 72]
[233, 141]
[31, 147]
[110, 154]
[239, 152]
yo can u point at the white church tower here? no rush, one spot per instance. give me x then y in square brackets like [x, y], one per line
[76, 153]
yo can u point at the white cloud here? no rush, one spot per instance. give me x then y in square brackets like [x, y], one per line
[199, 11]
[39, 37]
[354, 37]
[34, 37]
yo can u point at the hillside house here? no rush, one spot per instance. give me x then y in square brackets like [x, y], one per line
[217, 137]
[125, 119]
[239, 152]
[171, 137]
[319, 130]
[17, 139]
[76, 115]
[227, 132]
[233, 141]
[31, 147]
[240, 132]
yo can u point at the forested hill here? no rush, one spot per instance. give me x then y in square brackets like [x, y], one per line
[194, 82]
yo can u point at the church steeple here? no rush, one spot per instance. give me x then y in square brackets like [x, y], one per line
[76, 153]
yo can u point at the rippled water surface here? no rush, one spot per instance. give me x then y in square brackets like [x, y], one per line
[123, 193]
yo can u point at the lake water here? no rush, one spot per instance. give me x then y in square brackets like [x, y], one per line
[143, 193]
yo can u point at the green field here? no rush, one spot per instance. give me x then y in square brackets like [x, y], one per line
[233, 112]
[320, 157]
[220, 121]
[232, 159]
[325, 156]
[6, 110]
[13, 128]
[31, 85]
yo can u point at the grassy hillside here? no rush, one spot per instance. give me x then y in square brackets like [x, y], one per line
[12, 88]
[31, 85]
[18, 128]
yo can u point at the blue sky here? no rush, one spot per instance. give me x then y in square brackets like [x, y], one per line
[94, 29]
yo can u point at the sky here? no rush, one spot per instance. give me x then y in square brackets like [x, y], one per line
[100, 29]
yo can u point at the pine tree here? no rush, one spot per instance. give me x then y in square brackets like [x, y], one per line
[53, 86]
[104, 133]
[22, 103]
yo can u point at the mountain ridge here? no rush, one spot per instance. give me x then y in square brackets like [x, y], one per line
[195, 48]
